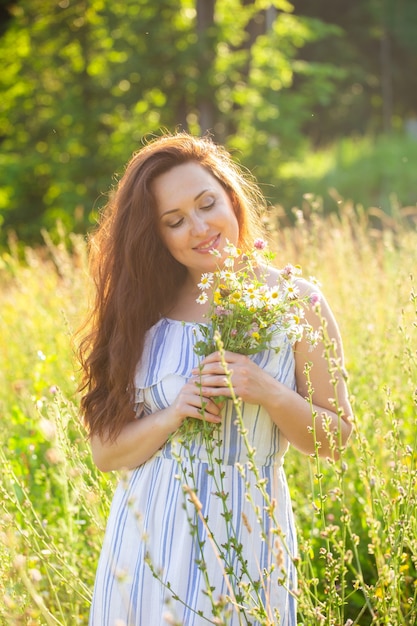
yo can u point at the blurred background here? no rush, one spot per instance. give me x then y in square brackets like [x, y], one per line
[316, 98]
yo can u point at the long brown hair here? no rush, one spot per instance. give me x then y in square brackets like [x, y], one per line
[136, 278]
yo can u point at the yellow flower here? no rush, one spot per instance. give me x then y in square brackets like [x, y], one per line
[217, 297]
[235, 297]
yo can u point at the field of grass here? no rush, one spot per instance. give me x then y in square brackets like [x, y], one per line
[357, 517]
[371, 171]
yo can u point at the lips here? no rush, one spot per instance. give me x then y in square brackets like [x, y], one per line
[208, 244]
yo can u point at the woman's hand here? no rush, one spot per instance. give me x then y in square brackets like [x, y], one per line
[320, 405]
[193, 401]
[249, 381]
[141, 438]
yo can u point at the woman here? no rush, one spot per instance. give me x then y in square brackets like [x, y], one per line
[175, 553]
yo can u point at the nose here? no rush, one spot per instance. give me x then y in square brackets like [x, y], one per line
[198, 224]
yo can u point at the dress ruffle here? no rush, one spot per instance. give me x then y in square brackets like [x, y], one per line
[169, 346]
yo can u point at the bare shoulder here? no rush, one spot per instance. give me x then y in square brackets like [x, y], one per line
[305, 287]
[271, 275]
[309, 291]
[318, 310]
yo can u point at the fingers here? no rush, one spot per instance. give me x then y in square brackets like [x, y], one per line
[192, 403]
[227, 357]
[214, 372]
[212, 385]
[241, 377]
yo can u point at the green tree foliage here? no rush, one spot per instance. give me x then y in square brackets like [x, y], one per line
[85, 82]
[376, 44]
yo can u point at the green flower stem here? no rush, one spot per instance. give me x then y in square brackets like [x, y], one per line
[167, 585]
[223, 552]
[252, 466]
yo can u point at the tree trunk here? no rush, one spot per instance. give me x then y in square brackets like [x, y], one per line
[386, 81]
[206, 42]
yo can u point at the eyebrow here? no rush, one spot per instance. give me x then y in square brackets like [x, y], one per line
[176, 210]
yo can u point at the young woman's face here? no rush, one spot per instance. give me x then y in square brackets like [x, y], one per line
[195, 216]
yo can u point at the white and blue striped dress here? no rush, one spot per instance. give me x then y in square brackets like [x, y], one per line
[150, 570]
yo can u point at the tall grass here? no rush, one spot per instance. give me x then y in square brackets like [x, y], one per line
[356, 518]
[373, 171]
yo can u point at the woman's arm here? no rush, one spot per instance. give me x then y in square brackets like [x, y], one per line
[325, 380]
[141, 438]
[291, 410]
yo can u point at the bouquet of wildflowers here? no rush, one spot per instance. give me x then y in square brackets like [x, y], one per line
[246, 313]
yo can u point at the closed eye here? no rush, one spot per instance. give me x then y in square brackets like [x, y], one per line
[210, 204]
[176, 224]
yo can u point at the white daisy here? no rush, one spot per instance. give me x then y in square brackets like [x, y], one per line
[206, 280]
[202, 298]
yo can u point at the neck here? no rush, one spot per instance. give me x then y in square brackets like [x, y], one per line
[186, 307]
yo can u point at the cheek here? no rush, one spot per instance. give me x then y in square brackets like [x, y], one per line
[174, 244]
[169, 239]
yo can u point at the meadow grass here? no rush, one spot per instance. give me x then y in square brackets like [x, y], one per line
[372, 171]
[356, 517]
